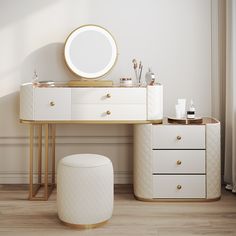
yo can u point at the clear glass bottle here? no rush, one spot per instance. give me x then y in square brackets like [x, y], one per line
[191, 111]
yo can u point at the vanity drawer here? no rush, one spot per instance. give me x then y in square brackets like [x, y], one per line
[52, 104]
[108, 112]
[109, 95]
[179, 161]
[178, 137]
[179, 186]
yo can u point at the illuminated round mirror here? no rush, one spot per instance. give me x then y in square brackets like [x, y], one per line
[90, 51]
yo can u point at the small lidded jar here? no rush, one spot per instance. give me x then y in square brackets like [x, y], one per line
[126, 82]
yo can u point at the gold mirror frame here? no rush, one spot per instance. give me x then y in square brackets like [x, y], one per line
[78, 71]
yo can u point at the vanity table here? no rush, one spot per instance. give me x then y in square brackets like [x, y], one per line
[43, 107]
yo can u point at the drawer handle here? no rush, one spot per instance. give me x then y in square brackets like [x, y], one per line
[108, 113]
[179, 162]
[178, 137]
[52, 104]
[179, 186]
[108, 95]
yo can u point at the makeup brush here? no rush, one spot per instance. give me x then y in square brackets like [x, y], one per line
[140, 72]
[135, 68]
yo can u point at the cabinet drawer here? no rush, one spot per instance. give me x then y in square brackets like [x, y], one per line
[179, 186]
[179, 161]
[178, 137]
[109, 95]
[52, 104]
[108, 112]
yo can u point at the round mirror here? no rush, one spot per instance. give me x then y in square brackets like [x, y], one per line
[90, 51]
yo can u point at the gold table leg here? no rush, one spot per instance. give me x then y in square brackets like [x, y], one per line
[49, 140]
[31, 161]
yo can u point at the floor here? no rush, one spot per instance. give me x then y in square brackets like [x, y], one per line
[19, 216]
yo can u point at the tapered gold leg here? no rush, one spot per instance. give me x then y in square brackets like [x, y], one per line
[49, 139]
[40, 154]
[46, 162]
[53, 153]
[31, 161]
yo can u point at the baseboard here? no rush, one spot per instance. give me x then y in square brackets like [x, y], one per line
[120, 177]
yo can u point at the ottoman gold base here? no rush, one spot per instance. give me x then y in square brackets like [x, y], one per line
[84, 226]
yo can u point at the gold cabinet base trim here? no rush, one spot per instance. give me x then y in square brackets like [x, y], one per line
[176, 199]
[83, 226]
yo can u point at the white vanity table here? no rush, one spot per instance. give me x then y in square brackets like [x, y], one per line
[171, 161]
[108, 104]
[44, 107]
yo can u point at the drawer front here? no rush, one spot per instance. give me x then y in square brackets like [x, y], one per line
[179, 161]
[109, 95]
[52, 104]
[108, 112]
[179, 186]
[178, 137]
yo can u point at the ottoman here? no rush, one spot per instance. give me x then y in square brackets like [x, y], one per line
[85, 190]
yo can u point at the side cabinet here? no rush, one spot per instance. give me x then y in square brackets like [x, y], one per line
[177, 161]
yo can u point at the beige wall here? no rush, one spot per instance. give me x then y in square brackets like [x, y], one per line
[171, 36]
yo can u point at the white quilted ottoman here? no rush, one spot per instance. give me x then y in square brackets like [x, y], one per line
[85, 190]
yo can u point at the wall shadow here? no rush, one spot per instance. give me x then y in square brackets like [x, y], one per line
[49, 63]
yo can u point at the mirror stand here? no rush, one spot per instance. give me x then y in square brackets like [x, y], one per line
[90, 83]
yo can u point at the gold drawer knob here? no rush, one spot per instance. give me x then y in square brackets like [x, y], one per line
[179, 162]
[108, 113]
[108, 95]
[179, 186]
[178, 137]
[52, 104]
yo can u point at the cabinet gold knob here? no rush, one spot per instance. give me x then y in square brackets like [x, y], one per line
[108, 95]
[179, 162]
[52, 104]
[108, 113]
[179, 186]
[178, 137]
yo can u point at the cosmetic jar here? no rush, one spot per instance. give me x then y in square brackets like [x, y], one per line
[126, 82]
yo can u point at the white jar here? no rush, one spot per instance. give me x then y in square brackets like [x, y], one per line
[126, 82]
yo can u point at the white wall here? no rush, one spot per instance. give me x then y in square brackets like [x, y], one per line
[171, 36]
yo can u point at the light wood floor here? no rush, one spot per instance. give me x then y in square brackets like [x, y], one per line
[19, 216]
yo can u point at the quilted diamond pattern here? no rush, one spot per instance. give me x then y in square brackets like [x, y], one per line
[143, 181]
[85, 195]
[26, 102]
[213, 160]
[155, 102]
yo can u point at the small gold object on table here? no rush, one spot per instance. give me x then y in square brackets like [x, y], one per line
[185, 121]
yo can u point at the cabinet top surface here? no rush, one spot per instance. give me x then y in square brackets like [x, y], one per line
[205, 121]
[66, 85]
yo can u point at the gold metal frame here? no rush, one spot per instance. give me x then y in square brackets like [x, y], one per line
[127, 122]
[99, 77]
[49, 140]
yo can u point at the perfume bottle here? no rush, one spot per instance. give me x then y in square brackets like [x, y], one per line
[191, 111]
[35, 77]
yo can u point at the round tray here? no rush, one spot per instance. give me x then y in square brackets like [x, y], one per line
[185, 121]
